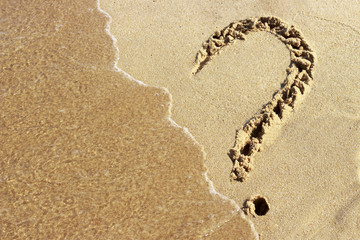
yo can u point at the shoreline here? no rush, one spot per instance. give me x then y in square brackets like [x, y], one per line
[172, 122]
[108, 134]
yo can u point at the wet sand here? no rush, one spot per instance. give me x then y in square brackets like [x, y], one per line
[87, 152]
[90, 152]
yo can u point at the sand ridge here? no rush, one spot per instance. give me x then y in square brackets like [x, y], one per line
[249, 139]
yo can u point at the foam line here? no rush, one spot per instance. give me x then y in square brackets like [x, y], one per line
[172, 122]
[116, 48]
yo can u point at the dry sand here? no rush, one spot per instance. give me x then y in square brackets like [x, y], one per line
[88, 152]
[309, 170]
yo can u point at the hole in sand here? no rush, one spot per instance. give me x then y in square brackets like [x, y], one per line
[256, 206]
[261, 206]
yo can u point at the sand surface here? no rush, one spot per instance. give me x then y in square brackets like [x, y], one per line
[89, 152]
[86, 151]
[309, 171]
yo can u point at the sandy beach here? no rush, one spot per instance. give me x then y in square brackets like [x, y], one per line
[180, 119]
[309, 171]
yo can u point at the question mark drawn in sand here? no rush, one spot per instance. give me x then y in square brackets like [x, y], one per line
[273, 115]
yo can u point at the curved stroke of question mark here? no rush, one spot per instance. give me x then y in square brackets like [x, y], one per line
[249, 139]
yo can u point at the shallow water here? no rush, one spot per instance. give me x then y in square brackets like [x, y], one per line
[87, 152]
